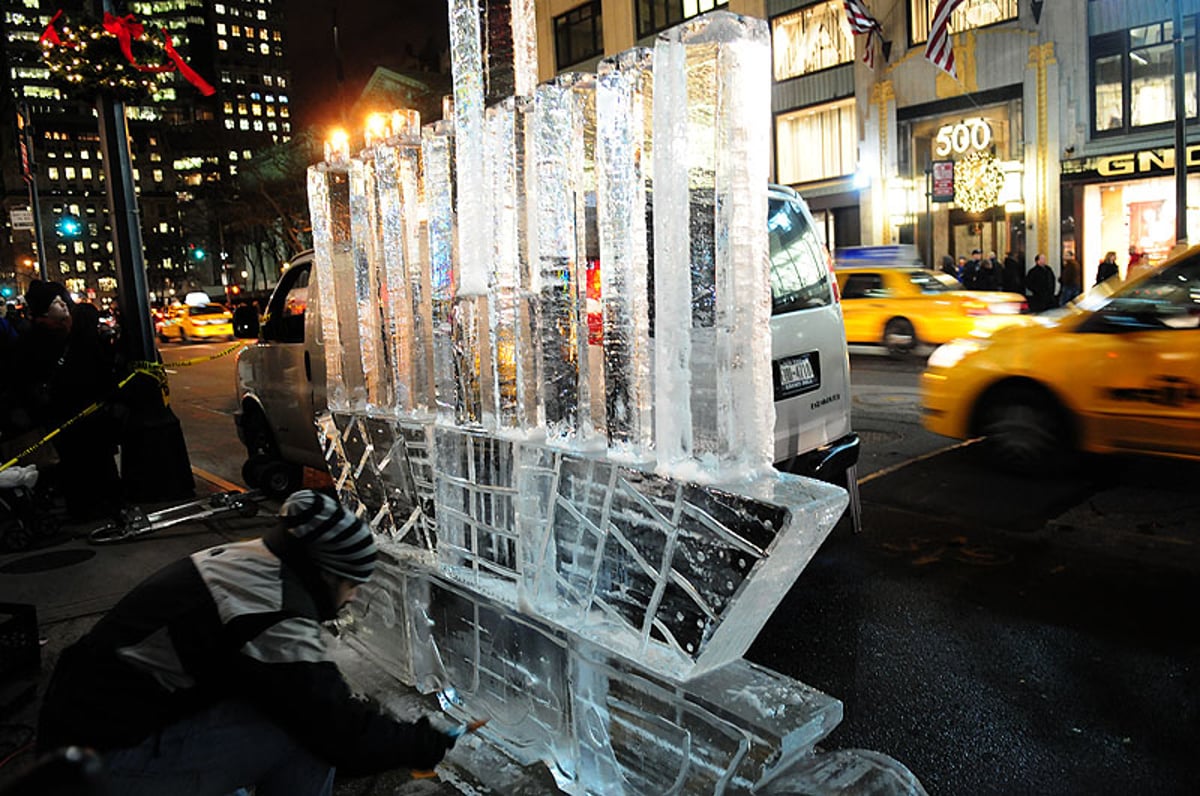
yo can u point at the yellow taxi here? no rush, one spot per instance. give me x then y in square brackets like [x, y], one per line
[1117, 371]
[902, 305]
[187, 322]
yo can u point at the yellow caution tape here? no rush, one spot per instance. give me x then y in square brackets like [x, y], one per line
[155, 370]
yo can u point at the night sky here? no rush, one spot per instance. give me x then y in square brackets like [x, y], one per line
[372, 33]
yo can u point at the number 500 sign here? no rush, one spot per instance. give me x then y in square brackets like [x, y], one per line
[967, 135]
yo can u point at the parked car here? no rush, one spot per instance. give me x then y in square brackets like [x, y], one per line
[281, 378]
[900, 305]
[187, 322]
[1118, 370]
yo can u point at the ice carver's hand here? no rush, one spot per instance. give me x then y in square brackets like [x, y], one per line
[429, 745]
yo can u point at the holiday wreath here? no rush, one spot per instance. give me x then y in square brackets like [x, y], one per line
[113, 57]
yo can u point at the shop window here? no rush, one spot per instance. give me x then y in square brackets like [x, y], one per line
[656, 15]
[970, 14]
[817, 143]
[1133, 77]
[811, 39]
[578, 34]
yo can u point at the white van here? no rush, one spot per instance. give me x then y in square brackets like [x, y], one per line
[281, 378]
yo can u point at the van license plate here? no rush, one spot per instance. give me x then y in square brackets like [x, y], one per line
[797, 374]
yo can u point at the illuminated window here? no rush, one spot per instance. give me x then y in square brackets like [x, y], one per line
[811, 39]
[817, 143]
[229, 125]
[86, 172]
[235, 30]
[228, 106]
[52, 173]
[69, 172]
[656, 15]
[971, 14]
[222, 44]
[1133, 76]
[264, 49]
[157, 175]
[220, 28]
[243, 124]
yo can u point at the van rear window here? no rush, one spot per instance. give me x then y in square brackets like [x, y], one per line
[799, 273]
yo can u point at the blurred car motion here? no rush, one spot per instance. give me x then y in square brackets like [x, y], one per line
[1116, 371]
[196, 322]
[887, 300]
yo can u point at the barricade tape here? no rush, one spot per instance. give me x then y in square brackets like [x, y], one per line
[155, 370]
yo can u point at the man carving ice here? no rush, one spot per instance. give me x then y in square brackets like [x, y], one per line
[211, 675]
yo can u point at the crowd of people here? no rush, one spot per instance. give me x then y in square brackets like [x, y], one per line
[57, 363]
[1038, 284]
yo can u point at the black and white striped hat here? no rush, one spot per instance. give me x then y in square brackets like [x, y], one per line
[337, 541]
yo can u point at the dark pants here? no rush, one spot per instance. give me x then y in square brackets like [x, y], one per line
[219, 751]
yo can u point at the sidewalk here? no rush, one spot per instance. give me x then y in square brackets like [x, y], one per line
[72, 583]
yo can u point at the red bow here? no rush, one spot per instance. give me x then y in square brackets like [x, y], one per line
[190, 74]
[126, 29]
[50, 34]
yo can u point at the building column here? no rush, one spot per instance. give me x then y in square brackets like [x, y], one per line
[879, 151]
[1042, 147]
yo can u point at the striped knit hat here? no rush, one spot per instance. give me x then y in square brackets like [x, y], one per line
[337, 541]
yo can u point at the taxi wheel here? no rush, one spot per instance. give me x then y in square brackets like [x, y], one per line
[1024, 432]
[900, 337]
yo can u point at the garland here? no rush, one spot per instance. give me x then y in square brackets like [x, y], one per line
[114, 58]
[978, 179]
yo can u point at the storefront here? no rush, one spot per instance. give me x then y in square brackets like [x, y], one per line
[961, 176]
[1126, 200]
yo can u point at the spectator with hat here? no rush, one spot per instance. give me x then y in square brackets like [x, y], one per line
[971, 271]
[212, 675]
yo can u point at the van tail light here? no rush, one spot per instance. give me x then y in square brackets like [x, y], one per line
[837, 294]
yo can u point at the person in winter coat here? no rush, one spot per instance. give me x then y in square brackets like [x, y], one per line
[1012, 278]
[212, 675]
[1108, 268]
[1039, 285]
[1070, 282]
[989, 276]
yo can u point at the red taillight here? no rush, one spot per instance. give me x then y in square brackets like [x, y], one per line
[837, 294]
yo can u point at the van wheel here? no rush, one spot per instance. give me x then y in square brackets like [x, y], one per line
[1025, 432]
[253, 468]
[900, 337]
[278, 479]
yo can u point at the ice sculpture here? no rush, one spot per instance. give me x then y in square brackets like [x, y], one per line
[574, 548]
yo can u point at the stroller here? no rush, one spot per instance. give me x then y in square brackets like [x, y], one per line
[21, 520]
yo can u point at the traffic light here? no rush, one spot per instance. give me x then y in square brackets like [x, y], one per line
[69, 226]
[6, 291]
[197, 252]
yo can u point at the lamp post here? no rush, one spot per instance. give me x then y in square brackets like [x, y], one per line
[1180, 146]
[154, 457]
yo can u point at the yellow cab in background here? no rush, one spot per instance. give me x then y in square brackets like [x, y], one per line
[890, 298]
[1116, 371]
[197, 319]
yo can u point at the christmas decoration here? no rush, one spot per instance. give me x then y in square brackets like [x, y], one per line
[113, 57]
[978, 179]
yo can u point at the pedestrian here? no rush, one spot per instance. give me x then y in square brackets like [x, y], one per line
[1012, 278]
[970, 272]
[212, 675]
[1107, 268]
[989, 276]
[1070, 282]
[948, 267]
[1039, 285]
[36, 363]
[87, 448]
[1138, 262]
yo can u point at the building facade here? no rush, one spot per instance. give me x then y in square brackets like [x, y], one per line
[1054, 135]
[186, 148]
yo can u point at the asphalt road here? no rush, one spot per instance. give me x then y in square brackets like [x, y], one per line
[996, 634]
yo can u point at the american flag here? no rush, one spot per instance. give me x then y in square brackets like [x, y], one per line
[938, 49]
[861, 21]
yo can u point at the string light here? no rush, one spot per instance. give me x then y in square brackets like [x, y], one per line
[978, 178]
[89, 60]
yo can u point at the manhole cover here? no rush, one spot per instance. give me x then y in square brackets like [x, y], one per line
[42, 562]
[874, 437]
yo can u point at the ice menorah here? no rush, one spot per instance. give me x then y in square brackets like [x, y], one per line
[570, 469]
